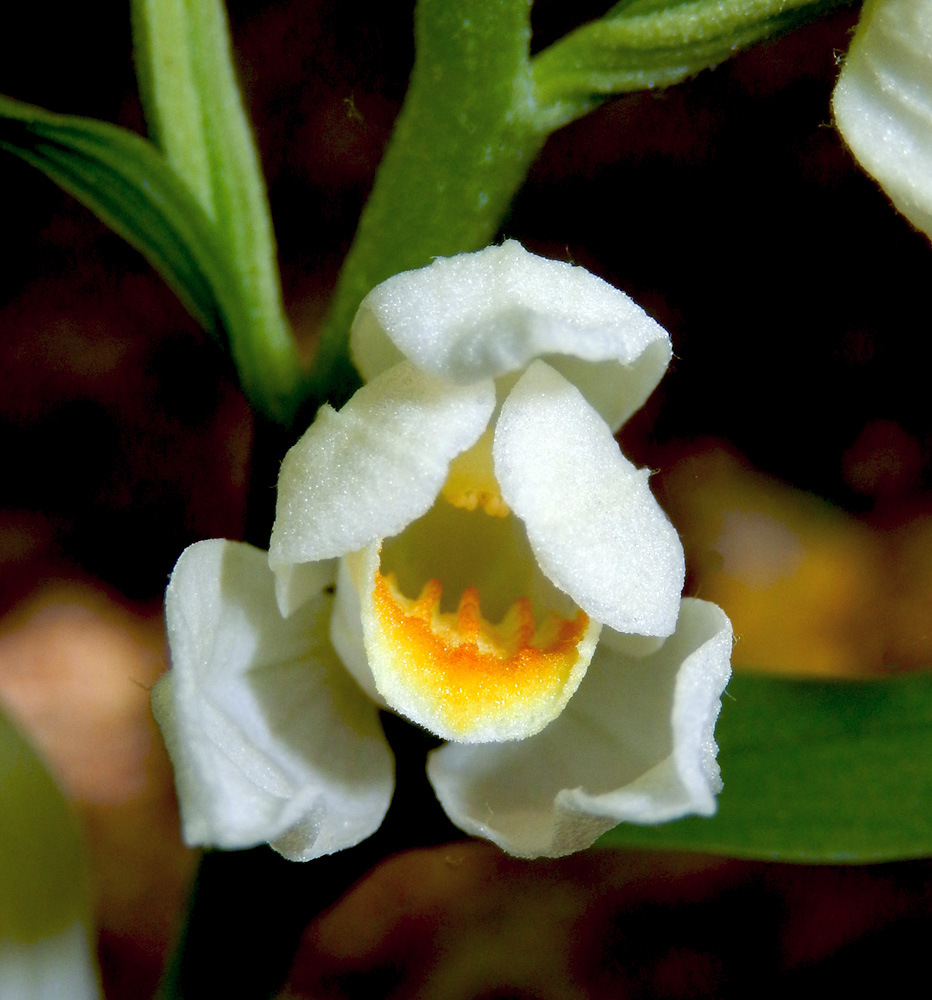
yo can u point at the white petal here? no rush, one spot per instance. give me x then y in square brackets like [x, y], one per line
[369, 470]
[883, 102]
[50, 968]
[270, 737]
[636, 744]
[295, 584]
[616, 390]
[595, 528]
[481, 315]
[346, 633]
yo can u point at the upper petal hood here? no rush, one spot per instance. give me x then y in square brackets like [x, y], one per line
[370, 469]
[883, 102]
[271, 739]
[635, 744]
[482, 315]
[595, 528]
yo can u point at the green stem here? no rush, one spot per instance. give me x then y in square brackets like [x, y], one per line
[461, 148]
[196, 117]
[478, 110]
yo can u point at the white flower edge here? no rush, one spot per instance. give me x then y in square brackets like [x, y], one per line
[49, 968]
[370, 469]
[596, 529]
[883, 102]
[635, 744]
[482, 315]
[270, 737]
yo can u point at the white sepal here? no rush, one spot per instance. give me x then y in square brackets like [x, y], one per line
[370, 469]
[883, 102]
[297, 583]
[596, 530]
[481, 315]
[270, 738]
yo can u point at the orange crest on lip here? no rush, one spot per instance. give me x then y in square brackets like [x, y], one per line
[476, 675]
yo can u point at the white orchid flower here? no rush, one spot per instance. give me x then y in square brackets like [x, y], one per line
[883, 102]
[465, 539]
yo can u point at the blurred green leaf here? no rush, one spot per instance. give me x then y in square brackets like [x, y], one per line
[654, 43]
[44, 885]
[817, 772]
[130, 186]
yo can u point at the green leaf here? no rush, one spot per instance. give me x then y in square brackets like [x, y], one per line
[130, 186]
[816, 772]
[168, 86]
[461, 147]
[196, 117]
[44, 882]
[126, 182]
[654, 43]
[479, 108]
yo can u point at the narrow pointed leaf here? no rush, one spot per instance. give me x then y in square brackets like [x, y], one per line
[124, 180]
[654, 43]
[817, 772]
[196, 117]
[129, 185]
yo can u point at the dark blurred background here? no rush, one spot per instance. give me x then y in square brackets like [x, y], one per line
[727, 206]
[792, 433]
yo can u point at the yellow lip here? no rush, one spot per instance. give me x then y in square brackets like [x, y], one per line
[480, 677]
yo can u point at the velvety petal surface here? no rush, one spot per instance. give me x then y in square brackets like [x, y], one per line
[346, 632]
[635, 744]
[370, 469]
[270, 738]
[593, 524]
[481, 315]
[883, 102]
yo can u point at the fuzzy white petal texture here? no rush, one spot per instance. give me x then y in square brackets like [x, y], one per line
[271, 739]
[346, 631]
[635, 744]
[295, 584]
[883, 102]
[616, 390]
[51, 968]
[482, 315]
[370, 469]
[595, 528]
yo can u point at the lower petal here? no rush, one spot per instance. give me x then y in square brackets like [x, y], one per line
[635, 744]
[271, 739]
